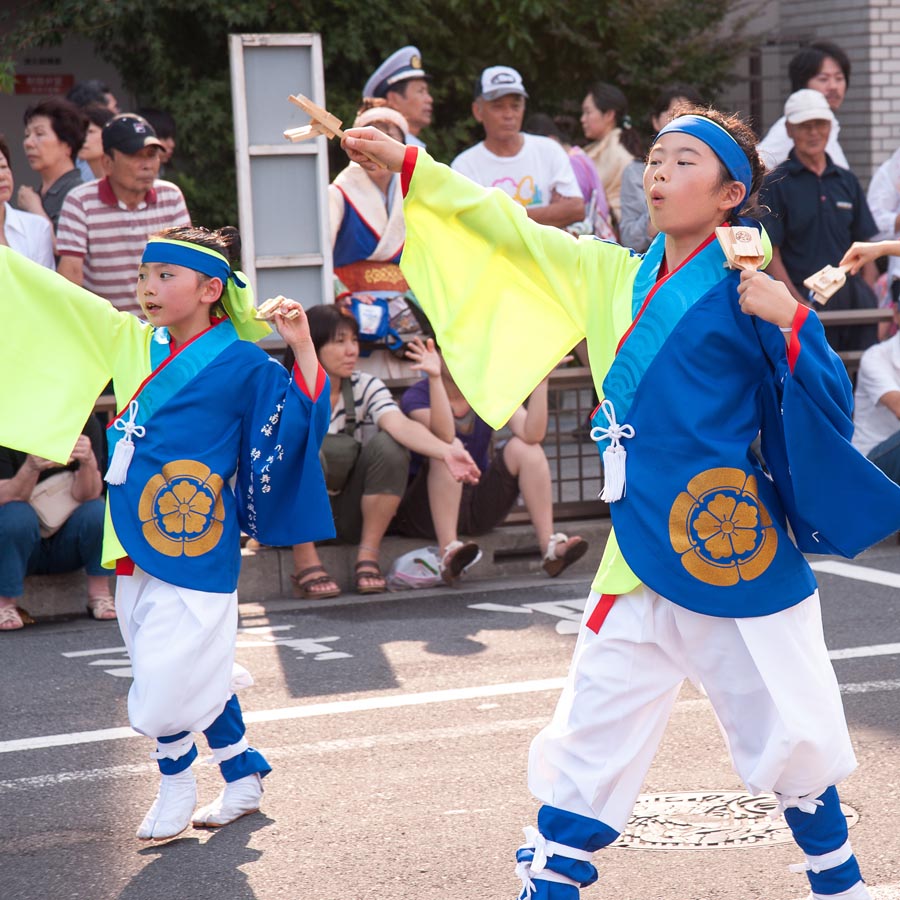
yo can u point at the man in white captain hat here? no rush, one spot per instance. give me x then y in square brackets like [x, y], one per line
[402, 82]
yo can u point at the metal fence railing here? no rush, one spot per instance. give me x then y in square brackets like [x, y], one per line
[574, 461]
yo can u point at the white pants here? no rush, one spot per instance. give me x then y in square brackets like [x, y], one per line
[181, 644]
[768, 678]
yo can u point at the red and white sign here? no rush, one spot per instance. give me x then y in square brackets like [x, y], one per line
[47, 84]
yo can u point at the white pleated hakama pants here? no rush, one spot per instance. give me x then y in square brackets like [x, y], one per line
[182, 645]
[769, 680]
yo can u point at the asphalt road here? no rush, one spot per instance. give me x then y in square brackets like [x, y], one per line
[399, 731]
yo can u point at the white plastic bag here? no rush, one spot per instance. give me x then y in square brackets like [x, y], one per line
[417, 569]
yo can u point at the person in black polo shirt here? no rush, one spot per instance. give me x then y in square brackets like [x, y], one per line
[816, 211]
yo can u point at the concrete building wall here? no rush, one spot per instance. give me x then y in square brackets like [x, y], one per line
[868, 31]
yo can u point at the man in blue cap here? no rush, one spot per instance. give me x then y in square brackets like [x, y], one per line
[402, 82]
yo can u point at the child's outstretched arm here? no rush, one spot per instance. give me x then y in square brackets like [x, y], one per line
[506, 296]
[863, 252]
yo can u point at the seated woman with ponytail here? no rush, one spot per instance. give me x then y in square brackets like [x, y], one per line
[703, 576]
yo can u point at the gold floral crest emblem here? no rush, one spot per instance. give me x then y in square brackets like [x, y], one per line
[720, 528]
[181, 510]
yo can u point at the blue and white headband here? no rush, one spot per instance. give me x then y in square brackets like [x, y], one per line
[191, 256]
[237, 296]
[726, 148]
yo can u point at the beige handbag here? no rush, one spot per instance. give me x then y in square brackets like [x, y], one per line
[53, 502]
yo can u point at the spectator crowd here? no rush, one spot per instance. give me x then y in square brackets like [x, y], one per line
[423, 464]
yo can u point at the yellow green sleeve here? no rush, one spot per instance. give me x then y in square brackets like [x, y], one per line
[508, 298]
[59, 347]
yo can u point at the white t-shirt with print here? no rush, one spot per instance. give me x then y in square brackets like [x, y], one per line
[529, 177]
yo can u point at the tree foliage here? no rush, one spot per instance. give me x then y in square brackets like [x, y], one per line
[174, 55]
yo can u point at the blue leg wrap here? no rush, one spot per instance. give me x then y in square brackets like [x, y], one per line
[174, 766]
[834, 881]
[571, 830]
[227, 730]
[822, 832]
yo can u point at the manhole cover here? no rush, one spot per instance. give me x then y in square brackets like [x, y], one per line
[707, 820]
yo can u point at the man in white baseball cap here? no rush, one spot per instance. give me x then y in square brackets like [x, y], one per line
[534, 170]
[403, 83]
[807, 105]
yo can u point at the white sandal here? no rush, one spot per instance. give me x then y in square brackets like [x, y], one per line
[102, 608]
[457, 558]
[554, 563]
[10, 618]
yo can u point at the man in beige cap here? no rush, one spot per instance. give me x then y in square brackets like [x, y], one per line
[816, 211]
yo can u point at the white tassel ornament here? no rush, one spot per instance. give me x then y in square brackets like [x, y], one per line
[614, 456]
[124, 451]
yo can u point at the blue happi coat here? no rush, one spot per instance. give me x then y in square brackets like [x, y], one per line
[704, 521]
[231, 444]
[230, 441]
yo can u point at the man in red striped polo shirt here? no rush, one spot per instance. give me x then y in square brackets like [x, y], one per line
[104, 224]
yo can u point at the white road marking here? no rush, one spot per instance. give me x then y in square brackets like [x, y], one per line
[859, 573]
[318, 648]
[124, 672]
[499, 607]
[311, 748]
[867, 687]
[858, 652]
[367, 704]
[75, 653]
[311, 710]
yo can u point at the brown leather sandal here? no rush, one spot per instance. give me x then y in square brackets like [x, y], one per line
[458, 556]
[304, 585]
[369, 570]
[555, 562]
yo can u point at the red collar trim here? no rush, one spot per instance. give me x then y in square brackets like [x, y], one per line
[664, 276]
[108, 195]
[162, 365]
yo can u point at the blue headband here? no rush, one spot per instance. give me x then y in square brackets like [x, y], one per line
[200, 259]
[237, 297]
[720, 142]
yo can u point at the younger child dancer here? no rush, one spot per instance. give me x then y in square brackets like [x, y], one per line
[701, 578]
[213, 437]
